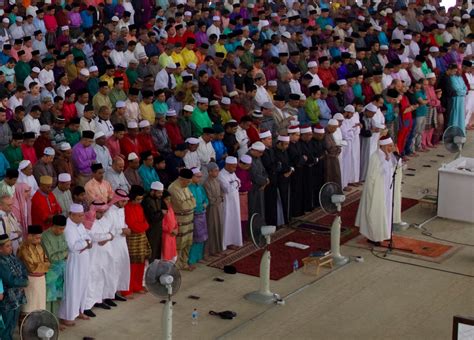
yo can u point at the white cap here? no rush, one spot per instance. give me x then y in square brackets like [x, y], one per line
[133, 61]
[19, 19]
[233, 94]
[203, 100]
[132, 124]
[258, 146]
[85, 72]
[456, 18]
[35, 70]
[272, 83]
[430, 75]
[341, 82]
[265, 134]
[383, 13]
[115, 18]
[230, 160]
[264, 23]
[192, 66]
[306, 129]
[143, 124]
[93, 68]
[338, 116]
[283, 138]
[293, 129]
[386, 141]
[349, 108]
[192, 141]
[64, 146]
[120, 104]
[407, 37]
[64, 28]
[142, 55]
[5, 20]
[213, 103]
[49, 151]
[466, 16]
[132, 156]
[99, 134]
[196, 170]
[45, 128]
[123, 64]
[316, 130]
[384, 47]
[157, 186]
[403, 22]
[333, 122]
[23, 164]
[225, 100]
[76, 208]
[246, 159]
[312, 64]
[441, 26]
[171, 113]
[188, 14]
[388, 11]
[434, 49]
[65, 177]
[216, 18]
[361, 18]
[371, 107]
[302, 96]
[286, 35]
[188, 108]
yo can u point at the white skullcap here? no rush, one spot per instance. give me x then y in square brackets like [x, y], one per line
[383, 13]
[192, 66]
[35, 70]
[302, 96]
[171, 113]
[338, 116]
[246, 159]
[386, 141]
[188, 14]
[384, 47]
[216, 18]
[132, 124]
[306, 129]
[318, 130]
[23, 164]
[225, 101]
[196, 170]
[115, 18]
[259, 146]
[213, 103]
[430, 75]
[84, 72]
[19, 19]
[283, 138]
[143, 124]
[5, 21]
[407, 37]
[132, 156]
[142, 55]
[45, 128]
[64, 146]
[456, 18]
[230, 160]
[361, 18]
[434, 49]
[293, 129]
[286, 35]
[441, 26]
[466, 16]
[265, 23]
[333, 122]
[341, 82]
[312, 64]
[349, 108]
[158, 186]
[265, 134]
[120, 104]
[49, 151]
[99, 135]
[76, 208]
[192, 141]
[403, 22]
[188, 108]
[65, 177]
[203, 100]
[389, 11]
[233, 94]
[272, 83]
[64, 28]
[93, 69]
[133, 61]
[371, 107]
[405, 60]
[171, 65]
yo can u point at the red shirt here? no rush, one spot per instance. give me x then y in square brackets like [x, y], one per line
[174, 134]
[129, 145]
[40, 144]
[113, 144]
[326, 76]
[29, 153]
[253, 134]
[45, 207]
[216, 86]
[237, 111]
[145, 143]
[69, 111]
[135, 218]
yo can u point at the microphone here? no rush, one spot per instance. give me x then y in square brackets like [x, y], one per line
[397, 155]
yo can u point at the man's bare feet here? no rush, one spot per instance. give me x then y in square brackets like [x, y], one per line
[83, 317]
[67, 323]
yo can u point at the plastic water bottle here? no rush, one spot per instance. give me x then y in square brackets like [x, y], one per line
[194, 317]
[295, 265]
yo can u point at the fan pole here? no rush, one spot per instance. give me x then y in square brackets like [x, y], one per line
[167, 321]
[338, 259]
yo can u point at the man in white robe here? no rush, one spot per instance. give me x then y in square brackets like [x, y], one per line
[191, 159]
[205, 151]
[356, 126]
[347, 131]
[230, 184]
[339, 140]
[76, 276]
[25, 175]
[374, 216]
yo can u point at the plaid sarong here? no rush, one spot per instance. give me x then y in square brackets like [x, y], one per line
[138, 247]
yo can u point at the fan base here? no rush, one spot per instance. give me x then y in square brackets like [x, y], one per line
[262, 298]
[340, 260]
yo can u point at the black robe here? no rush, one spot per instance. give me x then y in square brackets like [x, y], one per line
[318, 175]
[308, 179]
[295, 154]
[154, 216]
[271, 190]
[230, 141]
[283, 183]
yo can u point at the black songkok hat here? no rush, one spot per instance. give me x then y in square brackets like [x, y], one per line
[59, 220]
[97, 166]
[35, 229]
[88, 134]
[186, 173]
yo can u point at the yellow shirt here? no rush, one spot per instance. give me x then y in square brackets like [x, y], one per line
[221, 48]
[108, 79]
[377, 87]
[147, 112]
[225, 116]
[189, 56]
[34, 258]
[164, 59]
[178, 58]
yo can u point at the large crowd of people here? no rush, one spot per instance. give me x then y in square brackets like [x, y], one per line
[135, 130]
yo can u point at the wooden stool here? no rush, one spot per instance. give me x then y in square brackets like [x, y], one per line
[429, 201]
[312, 265]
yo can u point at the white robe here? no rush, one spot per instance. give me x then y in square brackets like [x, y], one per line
[102, 279]
[191, 160]
[346, 154]
[375, 209]
[337, 136]
[121, 264]
[355, 173]
[469, 98]
[232, 233]
[30, 180]
[377, 119]
[76, 276]
[243, 140]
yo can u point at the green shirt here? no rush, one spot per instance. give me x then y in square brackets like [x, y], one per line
[312, 110]
[13, 155]
[22, 71]
[160, 108]
[55, 246]
[132, 75]
[116, 96]
[78, 53]
[72, 137]
[201, 120]
[93, 86]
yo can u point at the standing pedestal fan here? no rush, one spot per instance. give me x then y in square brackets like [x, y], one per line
[260, 234]
[162, 279]
[331, 198]
[39, 324]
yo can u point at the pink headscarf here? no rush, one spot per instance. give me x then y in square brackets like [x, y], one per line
[119, 195]
[89, 217]
[22, 206]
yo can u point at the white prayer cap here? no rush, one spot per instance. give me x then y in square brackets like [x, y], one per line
[430, 75]
[259, 146]
[192, 66]
[246, 159]
[338, 116]
[371, 107]
[188, 108]
[272, 83]
[403, 22]
[341, 82]
[23, 164]
[132, 156]
[45, 128]
[192, 141]
[233, 94]
[265, 23]
[407, 37]
[49, 151]
[5, 20]
[93, 69]
[283, 138]
[99, 135]
[386, 141]
[302, 96]
[64, 146]
[19, 19]
[142, 55]
[265, 134]
[169, 113]
[164, 35]
[84, 72]
[318, 130]
[230, 160]
[122, 64]
[349, 108]
[456, 18]
[383, 47]
[225, 100]
[171, 65]
[158, 186]
[383, 13]
[312, 64]
[286, 35]
[196, 170]
[379, 126]
[216, 18]
[405, 60]
[213, 103]
[333, 122]
[132, 124]
[441, 26]
[143, 124]
[328, 28]
[293, 129]
[466, 16]
[388, 11]
[274, 15]
[133, 61]
[64, 28]
[120, 104]
[64, 177]
[115, 18]
[76, 208]
[203, 100]
[434, 49]
[35, 70]
[361, 18]
[306, 129]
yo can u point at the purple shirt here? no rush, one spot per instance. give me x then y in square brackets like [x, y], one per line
[83, 158]
[75, 19]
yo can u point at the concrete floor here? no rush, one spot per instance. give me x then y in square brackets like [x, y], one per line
[376, 299]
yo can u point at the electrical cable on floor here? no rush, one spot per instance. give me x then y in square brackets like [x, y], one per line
[426, 232]
[417, 265]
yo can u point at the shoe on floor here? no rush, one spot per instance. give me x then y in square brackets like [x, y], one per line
[103, 306]
[110, 303]
[119, 297]
[89, 313]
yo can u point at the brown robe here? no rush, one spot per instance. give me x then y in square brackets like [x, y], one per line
[214, 215]
[331, 164]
